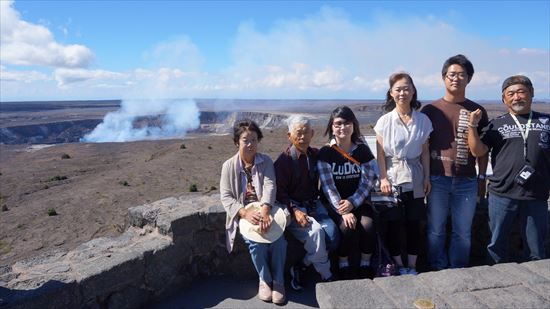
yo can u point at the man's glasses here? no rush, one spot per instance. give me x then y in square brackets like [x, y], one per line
[459, 75]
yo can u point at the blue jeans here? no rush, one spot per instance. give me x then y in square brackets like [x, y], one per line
[320, 236]
[455, 196]
[269, 259]
[332, 233]
[533, 216]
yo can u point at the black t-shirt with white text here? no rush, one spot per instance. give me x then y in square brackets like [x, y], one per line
[345, 173]
[505, 142]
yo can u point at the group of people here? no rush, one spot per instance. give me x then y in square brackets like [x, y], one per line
[321, 196]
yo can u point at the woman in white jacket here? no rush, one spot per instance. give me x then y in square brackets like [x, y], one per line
[403, 158]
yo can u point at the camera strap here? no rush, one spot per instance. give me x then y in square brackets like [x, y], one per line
[525, 134]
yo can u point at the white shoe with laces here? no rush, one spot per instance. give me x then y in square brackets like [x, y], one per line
[412, 271]
[403, 271]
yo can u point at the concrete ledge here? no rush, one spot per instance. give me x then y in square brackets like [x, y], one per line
[511, 285]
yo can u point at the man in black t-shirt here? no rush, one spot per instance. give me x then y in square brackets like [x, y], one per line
[519, 142]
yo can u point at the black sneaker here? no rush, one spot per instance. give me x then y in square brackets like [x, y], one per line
[296, 276]
[345, 273]
[366, 272]
[329, 279]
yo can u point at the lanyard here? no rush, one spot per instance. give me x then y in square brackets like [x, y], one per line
[524, 135]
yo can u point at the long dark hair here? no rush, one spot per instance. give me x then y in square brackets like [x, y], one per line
[347, 114]
[390, 102]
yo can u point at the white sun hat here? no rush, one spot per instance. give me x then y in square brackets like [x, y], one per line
[251, 231]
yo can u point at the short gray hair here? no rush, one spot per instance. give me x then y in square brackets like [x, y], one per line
[294, 120]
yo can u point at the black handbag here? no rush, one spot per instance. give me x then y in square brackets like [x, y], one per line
[380, 202]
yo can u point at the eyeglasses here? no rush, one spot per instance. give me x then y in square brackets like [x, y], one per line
[249, 141]
[459, 75]
[342, 124]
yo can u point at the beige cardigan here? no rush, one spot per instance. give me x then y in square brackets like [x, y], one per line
[231, 191]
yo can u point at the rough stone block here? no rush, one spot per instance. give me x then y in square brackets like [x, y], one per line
[463, 300]
[520, 273]
[352, 294]
[404, 290]
[543, 289]
[130, 297]
[512, 297]
[166, 203]
[204, 242]
[42, 259]
[107, 272]
[452, 281]
[52, 294]
[160, 268]
[542, 267]
[140, 216]
[215, 220]
[179, 222]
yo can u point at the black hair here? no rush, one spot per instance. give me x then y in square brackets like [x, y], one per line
[462, 61]
[518, 79]
[245, 125]
[347, 114]
[389, 105]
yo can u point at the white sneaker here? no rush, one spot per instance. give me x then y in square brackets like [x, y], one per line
[412, 271]
[403, 270]
[278, 294]
[264, 291]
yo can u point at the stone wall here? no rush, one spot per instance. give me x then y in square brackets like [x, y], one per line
[169, 244]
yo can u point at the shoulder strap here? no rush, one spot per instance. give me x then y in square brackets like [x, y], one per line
[346, 155]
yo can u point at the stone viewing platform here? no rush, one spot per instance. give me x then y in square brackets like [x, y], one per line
[175, 242]
[511, 285]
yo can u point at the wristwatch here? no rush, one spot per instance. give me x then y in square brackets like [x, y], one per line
[481, 176]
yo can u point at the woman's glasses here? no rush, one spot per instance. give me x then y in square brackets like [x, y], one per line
[342, 124]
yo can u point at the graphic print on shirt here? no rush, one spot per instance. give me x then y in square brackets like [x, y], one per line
[348, 170]
[512, 131]
[462, 150]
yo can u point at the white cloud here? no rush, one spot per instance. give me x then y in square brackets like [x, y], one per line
[69, 76]
[326, 54]
[484, 78]
[362, 57]
[26, 77]
[179, 52]
[532, 51]
[24, 43]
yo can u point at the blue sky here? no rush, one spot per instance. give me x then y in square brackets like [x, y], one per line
[71, 50]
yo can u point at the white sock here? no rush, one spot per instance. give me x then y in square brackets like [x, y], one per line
[343, 264]
[365, 263]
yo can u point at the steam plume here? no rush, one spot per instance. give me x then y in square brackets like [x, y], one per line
[175, 119]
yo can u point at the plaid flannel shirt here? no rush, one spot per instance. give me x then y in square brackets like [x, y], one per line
[366, 183]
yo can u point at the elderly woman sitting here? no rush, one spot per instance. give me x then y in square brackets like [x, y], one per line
[248, 179]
